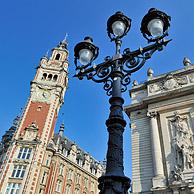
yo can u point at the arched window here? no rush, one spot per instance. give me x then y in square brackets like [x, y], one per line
[44, 76]
[70, 174]
[58, 186]
[49, 77]
[55, 78]
[57, 56]
[68, 189]
[77, 191]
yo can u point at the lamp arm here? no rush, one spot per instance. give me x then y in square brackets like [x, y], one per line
[134, 60]
[130, 62]
[158, 45]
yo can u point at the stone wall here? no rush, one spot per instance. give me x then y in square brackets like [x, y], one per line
[162, 129]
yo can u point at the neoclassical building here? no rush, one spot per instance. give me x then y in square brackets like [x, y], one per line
[162, 130]
[34, 160]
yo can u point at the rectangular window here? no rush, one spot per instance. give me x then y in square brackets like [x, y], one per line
[68, 189]
[24, 153]
[13, 188]
[44, 178]
[86, 182]
[77, 178]
[92, 186]
[61, 167]
[58, 185]
[41, 191]
[77, 191]
[48, 160]
[70, 174]
[18, 171]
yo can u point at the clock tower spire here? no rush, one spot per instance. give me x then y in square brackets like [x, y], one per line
[47, 92]
[37, 123]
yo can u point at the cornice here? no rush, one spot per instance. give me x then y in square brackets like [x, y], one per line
[180, 72]
[179, 92]
[26, 142]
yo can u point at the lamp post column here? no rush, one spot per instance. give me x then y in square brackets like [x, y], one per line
[114, 180]
[114, 72]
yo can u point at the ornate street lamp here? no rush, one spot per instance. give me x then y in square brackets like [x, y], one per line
[115, 73]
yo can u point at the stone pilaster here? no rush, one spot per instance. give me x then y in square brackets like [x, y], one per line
[158, 179]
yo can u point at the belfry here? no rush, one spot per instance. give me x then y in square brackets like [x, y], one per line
[34, 160]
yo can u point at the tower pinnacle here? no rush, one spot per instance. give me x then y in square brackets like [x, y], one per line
[61, 130]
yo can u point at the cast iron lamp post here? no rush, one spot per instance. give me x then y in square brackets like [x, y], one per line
[115, 73]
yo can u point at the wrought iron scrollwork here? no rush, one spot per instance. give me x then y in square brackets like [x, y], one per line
[108, 87]
[129, 62]
[125, 82]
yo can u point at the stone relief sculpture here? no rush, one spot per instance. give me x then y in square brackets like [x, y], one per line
[176, 175]
[191, 78]
[182, 143]
[170, 82]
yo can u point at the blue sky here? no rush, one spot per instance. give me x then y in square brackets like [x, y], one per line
[31, 27]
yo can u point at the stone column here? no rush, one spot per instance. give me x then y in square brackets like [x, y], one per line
[158, 179]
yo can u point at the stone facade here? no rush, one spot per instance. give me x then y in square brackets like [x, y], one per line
[162, 130]
[34, 160]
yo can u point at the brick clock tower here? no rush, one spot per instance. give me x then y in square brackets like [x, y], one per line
[25, 156]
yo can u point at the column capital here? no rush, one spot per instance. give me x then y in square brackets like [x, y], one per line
[152, 114]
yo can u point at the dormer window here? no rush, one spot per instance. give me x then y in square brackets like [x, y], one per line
[80, 158]
[57, 56]
[65, 152]
[93, 170]
[80, 162]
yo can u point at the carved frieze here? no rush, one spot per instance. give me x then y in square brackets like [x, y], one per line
[52, 65]
[154, 88]
[21, 161]
[169, 83]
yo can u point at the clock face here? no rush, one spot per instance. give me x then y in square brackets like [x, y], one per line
[46, 94]
[43, 94]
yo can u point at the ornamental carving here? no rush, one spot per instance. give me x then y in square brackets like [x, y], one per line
[169, 83]
[152, 114]
[69, 181]
[41, 94]
[176, 175]
[21, 161]
[30, 133]
[191, 78]
[52, 65]
[153, 88]
[182, 142]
